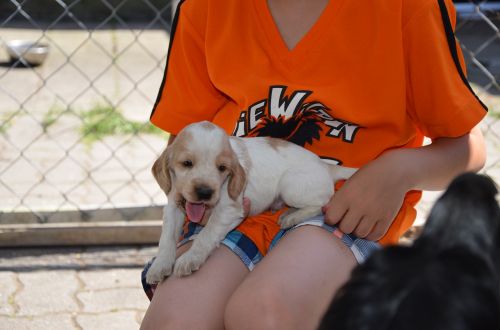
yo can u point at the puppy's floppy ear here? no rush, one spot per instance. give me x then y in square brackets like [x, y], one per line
[161, 172]
[237, 180]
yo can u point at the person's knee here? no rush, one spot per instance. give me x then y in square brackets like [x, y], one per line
[178, 317]
[154, 321]
[258, 307]
[166, 312]
[164, 317]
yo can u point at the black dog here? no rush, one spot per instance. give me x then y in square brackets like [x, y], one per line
[449, 279]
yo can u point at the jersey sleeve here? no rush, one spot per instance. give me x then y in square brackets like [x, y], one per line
[186, 94]
[439, 97]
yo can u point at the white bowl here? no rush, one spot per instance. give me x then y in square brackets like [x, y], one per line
[33, 53]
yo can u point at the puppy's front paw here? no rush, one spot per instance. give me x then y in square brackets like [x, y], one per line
[290, 218]
[160, 269]
[186, 264]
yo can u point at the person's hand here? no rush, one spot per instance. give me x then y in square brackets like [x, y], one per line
[368, 202]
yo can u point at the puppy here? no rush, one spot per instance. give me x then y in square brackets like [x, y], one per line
[448, 279]
[205, 174]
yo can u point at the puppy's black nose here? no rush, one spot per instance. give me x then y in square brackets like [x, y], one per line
[204, 192]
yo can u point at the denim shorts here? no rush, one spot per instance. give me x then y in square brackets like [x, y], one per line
[250, 255]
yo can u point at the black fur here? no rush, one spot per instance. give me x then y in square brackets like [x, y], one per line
[448, 279]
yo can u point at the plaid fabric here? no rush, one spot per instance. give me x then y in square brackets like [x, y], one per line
[250, 255]
[236, 241]
[361, 248]
[149, 289]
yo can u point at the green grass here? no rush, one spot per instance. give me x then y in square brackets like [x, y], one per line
[103, 120]
[6, 121]
[4, 127]
[495, 114]
[51, 117]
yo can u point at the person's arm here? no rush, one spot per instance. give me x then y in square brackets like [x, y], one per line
[368, 202]
[432, 167]
[441, 104]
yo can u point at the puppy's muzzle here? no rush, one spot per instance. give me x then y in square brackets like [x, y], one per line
[203, 193]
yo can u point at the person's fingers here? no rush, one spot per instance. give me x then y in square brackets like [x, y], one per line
[364, 227]
[378, 231]
[349, 222]
[334, 213]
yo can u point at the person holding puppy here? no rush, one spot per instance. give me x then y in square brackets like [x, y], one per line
[358, 84]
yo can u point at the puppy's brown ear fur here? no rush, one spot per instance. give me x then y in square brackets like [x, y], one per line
[237, 181]
[161, 172]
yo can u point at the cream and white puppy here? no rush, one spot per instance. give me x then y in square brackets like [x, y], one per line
[205, 174]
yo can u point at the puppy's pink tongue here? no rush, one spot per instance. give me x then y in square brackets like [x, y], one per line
[195, 211]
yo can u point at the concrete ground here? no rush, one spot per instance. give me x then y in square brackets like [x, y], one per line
[41, 117]
[73, 288]
[76, 287]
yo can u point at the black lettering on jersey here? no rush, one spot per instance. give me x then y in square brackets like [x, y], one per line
[240, 129]
[346, 131]
[292, 118]
[282, 106]
[255, 112]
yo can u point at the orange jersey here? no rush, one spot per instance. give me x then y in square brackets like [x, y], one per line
[367, 77]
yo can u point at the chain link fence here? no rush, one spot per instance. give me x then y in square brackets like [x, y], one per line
[74, 131]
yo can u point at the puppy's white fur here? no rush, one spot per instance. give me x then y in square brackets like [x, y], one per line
[270, 172]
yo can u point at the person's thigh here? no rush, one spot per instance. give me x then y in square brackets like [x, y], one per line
[196, 301]
[293, 285]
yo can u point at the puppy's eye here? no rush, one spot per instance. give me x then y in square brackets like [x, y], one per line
[187, 163]
[222, 168]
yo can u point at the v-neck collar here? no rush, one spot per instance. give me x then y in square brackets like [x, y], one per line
[311, 38]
